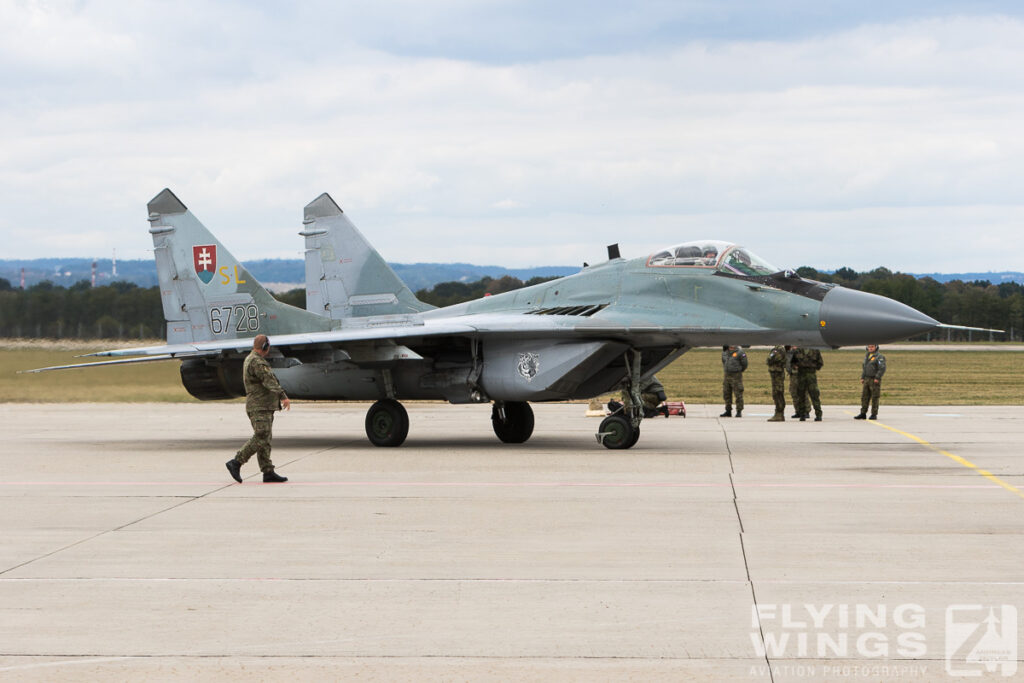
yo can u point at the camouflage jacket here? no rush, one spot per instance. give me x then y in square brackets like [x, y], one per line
[652, 393]
[262, 390]
[807, 360]
[734, 361]
[777, 359]
[874, 365]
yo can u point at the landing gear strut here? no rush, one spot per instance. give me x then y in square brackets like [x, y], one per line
[622, 430]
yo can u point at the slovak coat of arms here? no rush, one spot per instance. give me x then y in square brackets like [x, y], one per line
[204, 256]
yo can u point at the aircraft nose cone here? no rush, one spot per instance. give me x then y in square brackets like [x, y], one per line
[851, 318]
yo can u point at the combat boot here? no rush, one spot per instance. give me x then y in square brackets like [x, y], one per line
[777, 417]
[235, 468]
[873, 417]
[862, 416]
[817, 418]
[803, 418]
[739, 413]
[727, 413]
[273, 477]
[795, 415]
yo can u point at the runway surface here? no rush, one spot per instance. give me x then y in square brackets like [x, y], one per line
[716, 549]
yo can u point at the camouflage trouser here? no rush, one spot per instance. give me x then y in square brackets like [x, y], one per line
[733, 384]
[779, 391]
[262, 423]
[793, 392]
[870, 393]
[807, 386]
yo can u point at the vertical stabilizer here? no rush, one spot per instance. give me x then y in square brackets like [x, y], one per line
[206, 293]
[345, 276]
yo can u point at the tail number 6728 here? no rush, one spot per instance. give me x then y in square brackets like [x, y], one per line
[246, 318]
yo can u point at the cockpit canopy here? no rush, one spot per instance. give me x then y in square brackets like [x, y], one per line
[728, 258]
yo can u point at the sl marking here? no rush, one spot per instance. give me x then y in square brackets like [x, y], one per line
[226, 279]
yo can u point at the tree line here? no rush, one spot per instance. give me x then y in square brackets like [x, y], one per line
[125, 311]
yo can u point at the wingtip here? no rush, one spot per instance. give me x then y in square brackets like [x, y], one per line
[321, 207]
[166, 202]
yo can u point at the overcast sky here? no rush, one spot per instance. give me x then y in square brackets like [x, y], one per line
[819, 133]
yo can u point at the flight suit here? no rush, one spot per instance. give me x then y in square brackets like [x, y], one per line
[777, 371]
[263, 395]
[734, 362]
[808, 362]
[873, 369]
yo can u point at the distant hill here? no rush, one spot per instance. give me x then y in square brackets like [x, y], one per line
[66, 272]
[994, 278]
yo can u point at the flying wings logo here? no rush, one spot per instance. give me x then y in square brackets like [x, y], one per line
[204, 256]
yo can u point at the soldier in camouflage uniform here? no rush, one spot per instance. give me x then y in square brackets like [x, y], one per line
[871, 378]
[777, 371]
[263, 395]
[652, 395]
[791, 371]
[807, 362]
[734, 362]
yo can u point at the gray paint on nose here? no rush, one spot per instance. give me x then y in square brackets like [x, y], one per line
[854, 318]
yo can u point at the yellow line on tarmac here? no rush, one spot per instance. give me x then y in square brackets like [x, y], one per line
[952, 456]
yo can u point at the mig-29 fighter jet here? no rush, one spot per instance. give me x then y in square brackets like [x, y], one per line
[365, 336]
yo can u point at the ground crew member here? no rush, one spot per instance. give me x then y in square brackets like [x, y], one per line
[871, 378]
[734, 362]
[791, 371]
[652, 395]
[808, 362]
[263, 395]
[777, 371]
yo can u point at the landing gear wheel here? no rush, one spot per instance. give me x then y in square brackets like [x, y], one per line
[635, 438]
[387, 423]
[618, 432]
[512, 421]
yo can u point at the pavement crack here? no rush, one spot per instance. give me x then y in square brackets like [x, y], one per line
[743, 548]
[112, 530]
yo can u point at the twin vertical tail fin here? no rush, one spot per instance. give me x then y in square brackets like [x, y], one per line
[207, 294]
[345, 276]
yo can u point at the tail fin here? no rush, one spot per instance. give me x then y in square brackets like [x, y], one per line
[345, 276]
[207, 294]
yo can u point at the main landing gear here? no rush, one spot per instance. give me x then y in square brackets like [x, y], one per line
[387, 423]
[512, 420]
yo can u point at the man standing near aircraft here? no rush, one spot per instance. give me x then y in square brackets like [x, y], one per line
[791, 371]
[777, 371]
[871, 378]
[263, 395]
[806, 363]
[734, 362]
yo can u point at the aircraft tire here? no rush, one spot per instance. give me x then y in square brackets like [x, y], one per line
[619, 433]
[636, 436]
[517, 425]
[387, 423]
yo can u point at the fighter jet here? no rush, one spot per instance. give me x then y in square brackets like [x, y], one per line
[364, 336]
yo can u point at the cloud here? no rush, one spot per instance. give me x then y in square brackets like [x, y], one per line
[902, 131]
